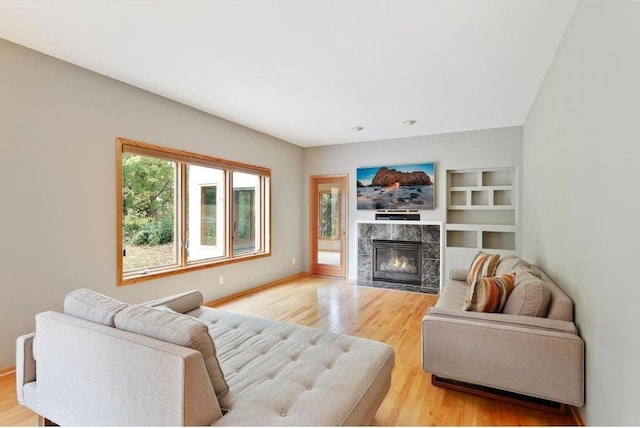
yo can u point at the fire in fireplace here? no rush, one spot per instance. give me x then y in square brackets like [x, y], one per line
[397, 261]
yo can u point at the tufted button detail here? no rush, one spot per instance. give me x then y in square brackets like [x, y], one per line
[237, 370]
[329, 366]
[309, 388]
[294, 358]
[272, 377]
[283, 414]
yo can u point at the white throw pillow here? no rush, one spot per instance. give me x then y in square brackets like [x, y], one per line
[529, 297]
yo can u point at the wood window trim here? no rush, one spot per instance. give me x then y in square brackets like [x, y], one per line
[153, 150]
[124, 145]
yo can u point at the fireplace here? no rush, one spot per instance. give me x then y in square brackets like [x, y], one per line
[397, 261]
[428, 261]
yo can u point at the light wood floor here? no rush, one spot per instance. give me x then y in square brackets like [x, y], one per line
[11, 413]
[389, 316]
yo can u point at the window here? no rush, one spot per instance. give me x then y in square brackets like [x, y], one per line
[179, 211]
[208, 213]
[206, 217]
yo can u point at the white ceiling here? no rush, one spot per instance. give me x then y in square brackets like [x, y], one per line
[308, 71]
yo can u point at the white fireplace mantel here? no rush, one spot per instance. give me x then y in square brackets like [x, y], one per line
[416, 222]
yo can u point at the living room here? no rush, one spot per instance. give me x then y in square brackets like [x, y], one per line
[573, 154]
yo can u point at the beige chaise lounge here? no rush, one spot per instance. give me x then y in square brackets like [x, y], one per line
[538, 357]
[87, 369]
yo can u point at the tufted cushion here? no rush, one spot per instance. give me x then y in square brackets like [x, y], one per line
[91, 306]
[175, 328]
[483, 265]
[529, 297]
[285, 374]
[489, 294]
[182, 303]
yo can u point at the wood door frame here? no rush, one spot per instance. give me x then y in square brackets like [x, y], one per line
[314, 180]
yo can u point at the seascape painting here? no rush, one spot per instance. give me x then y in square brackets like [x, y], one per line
[396, 187]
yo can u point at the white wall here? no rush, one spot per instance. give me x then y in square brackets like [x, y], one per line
[475, 149]
[581, 205]
[58, 125]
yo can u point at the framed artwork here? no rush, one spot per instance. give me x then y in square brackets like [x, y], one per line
[396, 187]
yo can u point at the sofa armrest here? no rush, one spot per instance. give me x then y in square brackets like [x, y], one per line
[181, 303]
[459, 274]
[25, 364]
[530, 360]
[85, 370]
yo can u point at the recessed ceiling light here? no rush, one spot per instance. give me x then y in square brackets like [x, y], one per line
[409, 122]
[357, 128]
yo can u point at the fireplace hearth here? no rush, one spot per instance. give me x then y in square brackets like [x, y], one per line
[397, 261]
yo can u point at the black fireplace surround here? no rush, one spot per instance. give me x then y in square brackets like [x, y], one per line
[427, 234]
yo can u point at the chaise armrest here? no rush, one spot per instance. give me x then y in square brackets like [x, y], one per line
[25, 364]
[181, 303]
[536, 357]
[87, 370]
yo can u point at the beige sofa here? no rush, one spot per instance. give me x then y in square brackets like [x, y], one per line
[88, 367]
[541, 358]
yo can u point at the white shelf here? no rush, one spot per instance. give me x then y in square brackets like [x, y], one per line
[487, 227]
[481, 209]
[465, 188]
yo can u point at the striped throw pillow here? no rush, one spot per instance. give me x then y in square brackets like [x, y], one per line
[482, 265]
[489, 294]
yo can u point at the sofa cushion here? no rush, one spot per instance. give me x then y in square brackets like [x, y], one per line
[489, 294]
[506, 265]
[483, 265]
[452, 295]
[91, 306]
[511, 263]
[529, 297]
[182, 303]
[179, 329]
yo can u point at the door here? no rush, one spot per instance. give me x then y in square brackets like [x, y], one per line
[328, 225]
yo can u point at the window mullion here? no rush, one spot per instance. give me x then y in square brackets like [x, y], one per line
[182, 214]
[229, 212]
[261, 221]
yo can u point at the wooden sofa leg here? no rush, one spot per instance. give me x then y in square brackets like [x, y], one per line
[44, 422]
[496, 394]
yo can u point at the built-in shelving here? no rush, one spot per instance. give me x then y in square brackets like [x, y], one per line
[482, 210]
